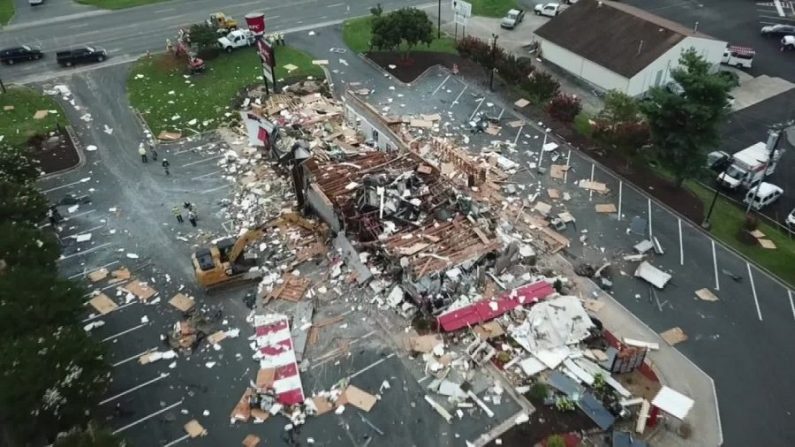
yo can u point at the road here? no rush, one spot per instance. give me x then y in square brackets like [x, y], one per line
[129, 33]
[738, 340]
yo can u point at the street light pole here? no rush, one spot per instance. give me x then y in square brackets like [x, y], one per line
[493, 60]
[439, 22]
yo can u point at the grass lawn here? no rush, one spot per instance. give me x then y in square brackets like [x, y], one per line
[171, 100]
[17, 125]
[493, 8]
[6, 11]
[727, 220]
[356, 34]
[117, 4]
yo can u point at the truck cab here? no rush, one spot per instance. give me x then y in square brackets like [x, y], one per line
[236, 39]
[740, 57]
[750, 166]
[513, 18]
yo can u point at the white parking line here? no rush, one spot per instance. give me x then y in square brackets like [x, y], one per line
[84, 252]
[779, 9]
[681, 250]
[791, 304]
[146, 418]
[87, 230]
[333, 5]
[121, 362]
[127, 331]
[440, 85]
[70, 217]
[176, 441]
[620, 195]
[84, 180]
[715, 265]
[136, 387]
[650, 232]
[753, 289]
[86, 273]
[203, 160]
[371, 366]
[480, 103]
[455, 101]
[217, 189]
[518, 134]
[208, 174]
[590, 191]
[499, 117]
[568, 164]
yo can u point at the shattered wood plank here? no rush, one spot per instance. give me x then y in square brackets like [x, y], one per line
[169, 136]
[103, 304]
[432, 117]
[491, 129]
[558, 171]
[121, 274]
[424, 169]
[322, 404]
[141, 290]
[424, 343]
[242, 410]
[543, 208]
[566, 217]
[195, 429]
[216, 337]
[674, 336]
[251, 441]
[480, 235]
[606, 208]
[422, 124]
[517, 123]
[599, 187]
[553, 193]
[706, 295]
[182, 302]
[265, 377]
[328, 321]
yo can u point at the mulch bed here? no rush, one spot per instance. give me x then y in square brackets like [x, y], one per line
[57, 155]
[408, 69]
[544, 422]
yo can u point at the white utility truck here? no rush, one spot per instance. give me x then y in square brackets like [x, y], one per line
[750, 166]
[238, 38]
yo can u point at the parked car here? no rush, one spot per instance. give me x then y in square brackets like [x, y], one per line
[68, 58]
[513, 18]
[547, 9]
[11, 56]
[762, 196]
[788, 42]
[790, 221]
[777, 30]
[35, 2]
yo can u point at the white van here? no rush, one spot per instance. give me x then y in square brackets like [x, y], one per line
[740, 57]
[762, 196]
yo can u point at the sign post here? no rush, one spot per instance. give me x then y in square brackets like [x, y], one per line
[256, 24]
[462, 11]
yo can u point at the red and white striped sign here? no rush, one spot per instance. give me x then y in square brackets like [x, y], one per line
[275, 350]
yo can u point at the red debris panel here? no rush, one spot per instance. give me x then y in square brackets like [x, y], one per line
[485, 310]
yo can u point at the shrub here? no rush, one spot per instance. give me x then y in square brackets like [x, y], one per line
[539, 391]
[624, 137]
[513, 69]
[556, 441]
[564, 107]
[751, 222]
[474, 49]
[540, 86]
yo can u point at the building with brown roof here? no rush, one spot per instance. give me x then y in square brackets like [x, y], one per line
[612, 45]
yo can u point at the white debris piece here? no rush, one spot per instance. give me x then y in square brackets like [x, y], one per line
[209, 364]
[91, 148]
[83, 237]
[132, 255]
[93, 325]
[144, 319]
[108, 130]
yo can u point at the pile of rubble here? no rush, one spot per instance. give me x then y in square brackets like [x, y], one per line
[428, 229]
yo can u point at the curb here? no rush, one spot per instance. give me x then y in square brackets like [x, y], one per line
[373, 64]
[81, 158]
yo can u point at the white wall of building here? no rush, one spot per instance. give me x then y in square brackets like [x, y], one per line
[659, 71]
[656, 73]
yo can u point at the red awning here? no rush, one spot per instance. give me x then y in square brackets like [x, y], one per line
[485, 310]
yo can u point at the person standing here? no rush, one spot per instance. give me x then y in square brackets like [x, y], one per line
[177, 214]
[153, 151]
[142, 152]
[192, 218]
[166, 164]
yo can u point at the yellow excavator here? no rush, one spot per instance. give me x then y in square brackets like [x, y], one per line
[223, 261]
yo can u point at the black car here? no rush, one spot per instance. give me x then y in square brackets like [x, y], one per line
[11, 56]
[778, 30]
[68, 58]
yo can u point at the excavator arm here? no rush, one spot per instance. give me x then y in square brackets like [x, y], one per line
[248, 237]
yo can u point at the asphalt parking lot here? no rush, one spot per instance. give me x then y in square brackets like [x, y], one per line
[729, 339]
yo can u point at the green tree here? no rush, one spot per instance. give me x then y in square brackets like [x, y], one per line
[91, 436]
[385, 32]
[36, 300]
[16, 166]
[620, 108]
[684, 126]
[50, 381]
[203, 36]
[407, 26]
[620, 125]
[24, 245]
[21, 203]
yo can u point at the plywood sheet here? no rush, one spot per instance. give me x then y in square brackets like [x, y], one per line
[558, 171]
[195, 429]
[706, 295]
[322, 404]
[594, 186]
[521, 103]
[566, 217]
[424, 124]
[103, 304]
[251, 441]
[121, 274]
[141, 290]
[216, 337]
[606, 208]
[757, 234]
[98, 275]
[40, 114]
[242, 410]
[359, 398]
[265, 377]
[767, 243]
[182, 302]
[553, 193]
[543, 208]
[424, 343]
[517, 123]
[674, 335]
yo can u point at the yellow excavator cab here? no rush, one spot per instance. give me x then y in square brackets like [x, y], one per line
[222, 21]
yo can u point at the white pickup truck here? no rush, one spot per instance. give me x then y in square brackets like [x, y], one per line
[236, 39]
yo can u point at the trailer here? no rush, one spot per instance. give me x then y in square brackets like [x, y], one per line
[750, 166]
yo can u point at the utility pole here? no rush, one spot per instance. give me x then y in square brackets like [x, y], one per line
[772, 142]
[2, 86]
[439, 21]
[493, 60]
